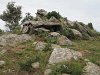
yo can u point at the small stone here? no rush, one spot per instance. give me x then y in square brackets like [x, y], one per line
[47, 71]
[2, 62]
[36, 65]
[86, 60]
[40, 46]
[54, 34]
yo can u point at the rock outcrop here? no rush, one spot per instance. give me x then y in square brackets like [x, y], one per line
[91, 69]
[63, 40]
[63, 54]
[40, 45]
[13, 39]
[76, 33]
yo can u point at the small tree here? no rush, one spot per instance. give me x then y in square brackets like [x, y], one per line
[28, 17]
[11, 15]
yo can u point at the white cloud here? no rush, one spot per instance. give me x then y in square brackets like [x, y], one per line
[81, 10]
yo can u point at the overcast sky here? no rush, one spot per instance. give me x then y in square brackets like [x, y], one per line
[80, 10]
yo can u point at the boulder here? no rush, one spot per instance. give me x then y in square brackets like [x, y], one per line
[63, 54]
[91, 69]
[63, 40]
[82, 28]
[76, 33]
[40, 45]
[13, 39]
[53, 19]
[41, 12]
[36, 65]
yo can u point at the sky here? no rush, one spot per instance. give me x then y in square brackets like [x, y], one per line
[75, 10]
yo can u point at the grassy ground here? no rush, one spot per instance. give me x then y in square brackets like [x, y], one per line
[89, 48]
[17, 57]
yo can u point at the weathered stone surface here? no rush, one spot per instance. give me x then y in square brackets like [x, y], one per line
[42, 29]
[40, 45]
[2, 63]
[55, 46]
[31, 25]
[63, 54]
[13, 39]
[54, 34]
[41, 12]
[47, 71]
[25, 29]
[36, 65]
[77, 33]
[63, 40]
[53, 19]
[91, 69]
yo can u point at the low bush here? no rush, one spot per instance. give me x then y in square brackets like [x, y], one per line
[51, 40]
[17, 30]
[27, 64]
[73, 67]
[69, 33]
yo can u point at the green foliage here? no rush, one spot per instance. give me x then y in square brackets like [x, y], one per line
[47, 39]
[11, 15]
[1, 31]
[69, 33]
[73, 67]
[90, 25]
[28, 17]
[92, 32]
[17, 30]
[48, 47]
[54, 14]
[51, 40]
[27, 65]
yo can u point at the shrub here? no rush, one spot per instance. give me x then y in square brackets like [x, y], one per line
[90, 25]
[48, 47]
[54, 14]
[73, 67]
[17, 30]
[69, 33]
[42, 33]
[51, 40]
[47, 39]
[27, 65]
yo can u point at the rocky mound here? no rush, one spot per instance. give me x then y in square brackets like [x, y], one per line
[58, 24]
